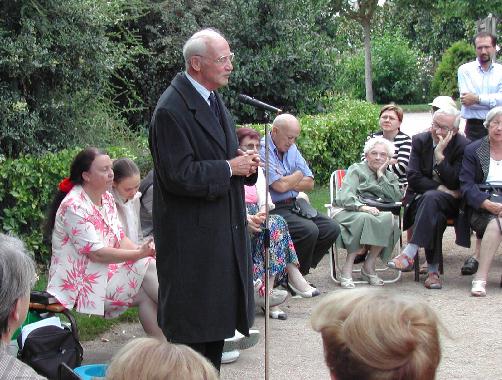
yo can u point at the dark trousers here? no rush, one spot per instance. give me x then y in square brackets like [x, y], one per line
[312, 237]
[430, 213]
[211, 350]
[474, 129]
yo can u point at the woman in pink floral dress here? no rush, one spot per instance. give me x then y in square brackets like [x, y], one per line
[94, 267]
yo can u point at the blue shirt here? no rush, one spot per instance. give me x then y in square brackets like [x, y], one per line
[291, 161]
[486, 84]
[204, 92]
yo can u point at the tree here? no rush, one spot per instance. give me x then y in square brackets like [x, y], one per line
[361, 11]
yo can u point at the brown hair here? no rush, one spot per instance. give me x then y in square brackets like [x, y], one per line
[484, 35]
[393, 107]
[244, 132]
[374, 335]
[154, 359]
[124, 168]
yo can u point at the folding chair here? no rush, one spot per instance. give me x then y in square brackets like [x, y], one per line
[335, 182]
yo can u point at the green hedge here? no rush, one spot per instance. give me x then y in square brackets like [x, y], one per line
[328, 142]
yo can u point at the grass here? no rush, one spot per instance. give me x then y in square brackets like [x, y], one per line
[92, 326]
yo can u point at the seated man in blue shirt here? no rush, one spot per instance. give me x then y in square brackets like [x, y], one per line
[312, 233]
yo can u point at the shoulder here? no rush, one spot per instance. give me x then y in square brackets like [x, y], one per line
[421, 137]
[461, 141]
[467, 66]
[401, 136]
[472, 147]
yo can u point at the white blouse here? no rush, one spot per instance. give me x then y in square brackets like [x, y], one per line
[494, 172]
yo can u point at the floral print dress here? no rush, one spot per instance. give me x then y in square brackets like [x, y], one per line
[76, 281]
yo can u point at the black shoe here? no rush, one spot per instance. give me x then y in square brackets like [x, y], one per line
[470, 266]
[360, 258]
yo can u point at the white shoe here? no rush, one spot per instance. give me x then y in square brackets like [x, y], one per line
[276, 297]
[230, 356]
[241, 342]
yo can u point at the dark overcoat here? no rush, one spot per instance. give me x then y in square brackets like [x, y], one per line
[203, 259]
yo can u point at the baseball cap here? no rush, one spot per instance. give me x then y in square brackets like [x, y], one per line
[443, 101]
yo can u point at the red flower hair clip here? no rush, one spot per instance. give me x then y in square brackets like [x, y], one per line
[65, 185]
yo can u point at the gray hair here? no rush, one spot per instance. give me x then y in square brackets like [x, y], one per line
[494, 112]
[370, 144]
[17, 276]
[451, 111]
[197, 44]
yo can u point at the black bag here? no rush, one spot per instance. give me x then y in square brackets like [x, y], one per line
[494, 191]
[380, 203]
[304, 209]
[48, 346]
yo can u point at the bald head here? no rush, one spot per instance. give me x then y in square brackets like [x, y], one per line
[285, 131]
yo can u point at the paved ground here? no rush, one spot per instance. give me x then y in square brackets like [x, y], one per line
[473, 349]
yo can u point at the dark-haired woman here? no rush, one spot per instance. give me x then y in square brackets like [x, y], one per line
[126, 181]
[94, 267]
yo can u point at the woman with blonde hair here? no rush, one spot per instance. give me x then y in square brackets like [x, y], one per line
[153, 359]
[370, 334]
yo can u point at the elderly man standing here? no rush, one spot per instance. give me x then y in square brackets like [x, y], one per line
[480, 87]
[199, 218]
[313, 234]
[433, 194]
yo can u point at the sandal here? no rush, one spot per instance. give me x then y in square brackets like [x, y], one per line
[347, 282]
[372, 279]
[401, 262]
[478, 288]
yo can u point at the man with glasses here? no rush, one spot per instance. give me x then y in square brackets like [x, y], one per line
[199, 217]
[433, 194]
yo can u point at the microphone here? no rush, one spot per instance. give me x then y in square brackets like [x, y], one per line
[257, 103]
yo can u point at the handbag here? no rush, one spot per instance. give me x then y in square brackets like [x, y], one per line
[45, 348]
[382, 204]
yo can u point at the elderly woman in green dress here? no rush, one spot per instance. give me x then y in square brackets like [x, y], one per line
[365, 228]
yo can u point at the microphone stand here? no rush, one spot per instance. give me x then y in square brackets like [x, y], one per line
[266, 244]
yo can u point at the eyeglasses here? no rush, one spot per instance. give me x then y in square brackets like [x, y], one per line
[250, 147]
[223, 60]
[443, 127]
[495, 124]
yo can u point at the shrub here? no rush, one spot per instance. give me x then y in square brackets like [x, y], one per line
[398, 71]
[445, 77]
[335, 140]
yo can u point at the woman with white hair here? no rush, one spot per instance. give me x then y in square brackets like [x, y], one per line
[17, 277]
[482, 165]
[364, 227]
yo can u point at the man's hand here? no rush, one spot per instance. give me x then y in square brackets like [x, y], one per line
[454, 193]
[244, 164]
[492, 207]
[369, 210]
[441, 146]
[469, 99]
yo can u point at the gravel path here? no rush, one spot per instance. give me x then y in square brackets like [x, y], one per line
[472, 351]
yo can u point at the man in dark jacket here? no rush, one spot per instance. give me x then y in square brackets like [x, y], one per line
[433, 194]
[199, 218]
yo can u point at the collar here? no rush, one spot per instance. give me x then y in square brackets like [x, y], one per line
[204, 92]
[481, 67]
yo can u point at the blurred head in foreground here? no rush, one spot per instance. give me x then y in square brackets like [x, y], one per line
[374, 335]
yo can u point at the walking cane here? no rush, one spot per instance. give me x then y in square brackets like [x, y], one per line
[266, 241]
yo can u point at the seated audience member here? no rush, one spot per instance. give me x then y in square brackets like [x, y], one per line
[154, 359]
[95, 268]
[146, 202]
[442, 102]
[374, 335]
[283, 260]
[482, 165]
[364, 227]
[17, 277]
[312, 233]
[433, 194]
[391, 117]
[126, 181]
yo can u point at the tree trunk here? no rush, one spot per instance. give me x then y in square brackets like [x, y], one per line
[367, 61]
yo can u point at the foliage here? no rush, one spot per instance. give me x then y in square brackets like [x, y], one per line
[335, 139]
[445, 77]
[27, 185]
[55, 63]
[398, 71]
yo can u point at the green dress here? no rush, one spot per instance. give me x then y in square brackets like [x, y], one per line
[361, 228]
